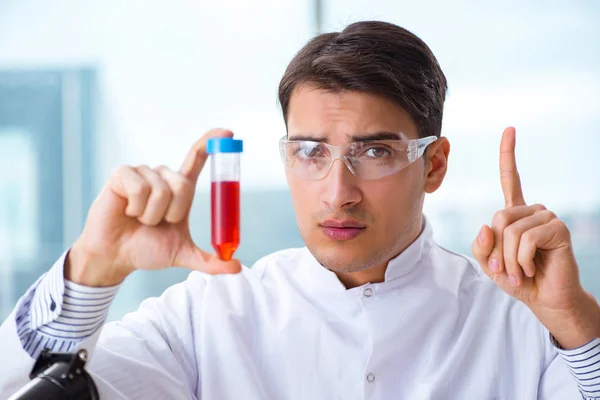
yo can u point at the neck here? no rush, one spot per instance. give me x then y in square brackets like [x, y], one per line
[376, 274]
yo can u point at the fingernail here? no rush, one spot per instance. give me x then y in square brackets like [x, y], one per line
[512, 280]
[494, 265]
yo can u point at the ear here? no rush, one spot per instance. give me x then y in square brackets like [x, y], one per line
[436, 164]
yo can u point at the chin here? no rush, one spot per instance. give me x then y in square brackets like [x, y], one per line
[335, 263]
[341, 256]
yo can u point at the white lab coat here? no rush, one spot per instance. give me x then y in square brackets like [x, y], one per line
[436, 328]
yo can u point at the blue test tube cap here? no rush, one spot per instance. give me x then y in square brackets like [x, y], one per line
[224, 145]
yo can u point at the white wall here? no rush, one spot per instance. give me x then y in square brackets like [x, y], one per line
[533, 64]
[169, 70]
[172, 70]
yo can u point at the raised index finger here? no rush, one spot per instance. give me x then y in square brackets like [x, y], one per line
[196, 158]
[509, 175]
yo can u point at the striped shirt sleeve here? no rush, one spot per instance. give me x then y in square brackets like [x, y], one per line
[58, 314]
[584, 364]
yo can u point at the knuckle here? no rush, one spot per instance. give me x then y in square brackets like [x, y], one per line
[140, 189]
[526, 240]
[510, 232]
[142, 167]
[122, 169]
[539, 207]
[161, 192]
[548, 215]
[161, 168]
[500, 219]
[507, 174]
[561, 226]
[181, 186]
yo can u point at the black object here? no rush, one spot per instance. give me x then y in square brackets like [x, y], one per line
[59, 376]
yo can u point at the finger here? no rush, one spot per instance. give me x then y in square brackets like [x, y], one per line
[160, 197]
[217, 266]
[482, 247]
[197, 259]
[544, 236]
[196, 158]
[512, 239]
[183, 194]
[500, 221]
[547, 236]
[509, 175]
[127, 183]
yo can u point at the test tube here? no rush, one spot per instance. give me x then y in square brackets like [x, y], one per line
[225, 195]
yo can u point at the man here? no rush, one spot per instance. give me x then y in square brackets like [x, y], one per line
[371, 308]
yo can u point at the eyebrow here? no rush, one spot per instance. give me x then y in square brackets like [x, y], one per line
[366, 137]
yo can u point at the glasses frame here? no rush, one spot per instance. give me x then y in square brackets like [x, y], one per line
[415, 149]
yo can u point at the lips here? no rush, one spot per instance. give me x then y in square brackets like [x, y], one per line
[342, 230]
[347, 223]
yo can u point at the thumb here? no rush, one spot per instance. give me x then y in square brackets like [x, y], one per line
[194, 258]
[217, 266]
[196, 158]
[482, 247]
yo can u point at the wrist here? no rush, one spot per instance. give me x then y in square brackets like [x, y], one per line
[577, 326]
[85, 269]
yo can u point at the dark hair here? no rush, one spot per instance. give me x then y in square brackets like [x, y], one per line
[374, 57]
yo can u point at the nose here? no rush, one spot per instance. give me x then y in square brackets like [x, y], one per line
[340, 189]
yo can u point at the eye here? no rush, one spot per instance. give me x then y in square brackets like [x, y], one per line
[377, 152]
[308, 150]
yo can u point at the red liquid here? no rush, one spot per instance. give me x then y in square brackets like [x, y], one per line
[225, 218]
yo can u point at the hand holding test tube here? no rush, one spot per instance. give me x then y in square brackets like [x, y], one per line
[140, 220]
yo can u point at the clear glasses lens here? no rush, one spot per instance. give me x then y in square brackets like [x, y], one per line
[367, 160]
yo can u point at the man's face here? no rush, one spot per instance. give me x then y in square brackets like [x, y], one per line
[386, 210]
